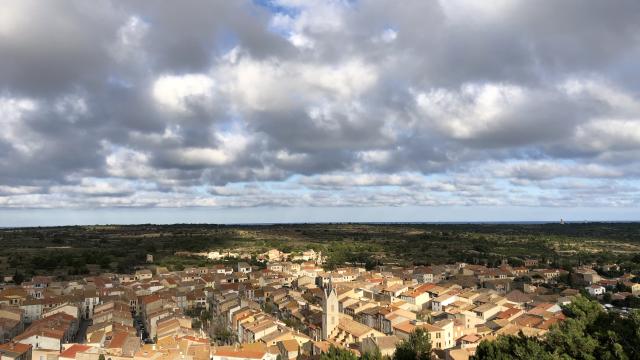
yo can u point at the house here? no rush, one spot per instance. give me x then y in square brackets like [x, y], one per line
[349, 331]
[585, 276]
[254, 331]
[385, 344]
[595, 290]
[289, 349]
[71, 352]
[15, 351]
[50, 332]
[144, 274]
[458, 354]
[440, 302]
[440, 333]
[32, 309]
[275, 267]
[274, 255]
[501, 286]
[423, 275]
[122, 344]
[530, 262]
[66, 308]
[510, 314]
[11, 323]
[418, 297]
[470, 341]
[243, 267]
[635, 287]
[257, 351]
[487, 311]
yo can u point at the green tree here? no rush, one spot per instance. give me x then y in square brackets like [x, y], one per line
[632, 301]
[512, 347]
[372, 355]
[588, 333]
[18, 278]
[416, 347]
[335, 353]
[620, 287]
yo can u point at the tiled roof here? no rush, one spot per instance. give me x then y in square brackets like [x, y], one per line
[70, 353]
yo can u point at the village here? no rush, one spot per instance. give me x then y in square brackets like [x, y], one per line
[291, 307]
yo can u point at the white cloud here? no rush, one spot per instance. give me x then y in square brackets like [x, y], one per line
[128, 163]
[259, 85]
[609, 135]
[545, 169]
[14, 18]
[18, 190]
[202, 157]
[348, 180]
[71, 107]
[276, 85]
[96, 187]
[12, 112]
[473, 109]
[230, 146]
[597, 89]
[379, 157]
[387, 36]
[130, 40]
[181, 92]
[466, 11]
[349, 79]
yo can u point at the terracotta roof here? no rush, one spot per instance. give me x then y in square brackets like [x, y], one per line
[71, 352]
[150, 298]
[290, 345]
[387, 342]
[408, 327]
[518, 297]
[545, 325]
[117, 340]
[471, 338]
[528, 320]
[354, 327]
[51, 333]
[14, 348]
[233, 352]
[508, 313]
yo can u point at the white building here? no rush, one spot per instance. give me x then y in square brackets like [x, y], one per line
[330, 311]
[595, 290]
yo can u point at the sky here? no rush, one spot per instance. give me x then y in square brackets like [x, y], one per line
[251, 111]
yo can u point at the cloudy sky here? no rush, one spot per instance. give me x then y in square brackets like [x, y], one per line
[318, 110]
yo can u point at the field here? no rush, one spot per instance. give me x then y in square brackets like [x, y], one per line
[76, 250]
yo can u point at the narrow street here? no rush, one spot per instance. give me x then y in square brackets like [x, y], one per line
[82, 331]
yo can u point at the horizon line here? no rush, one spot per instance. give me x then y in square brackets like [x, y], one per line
[520, 222]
